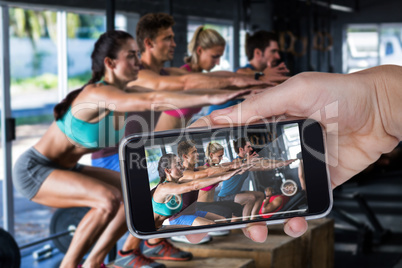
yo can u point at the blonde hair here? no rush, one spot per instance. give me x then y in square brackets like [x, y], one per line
[204, 38]
[212, 147]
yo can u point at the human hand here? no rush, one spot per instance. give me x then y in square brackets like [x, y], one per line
[354, 109]
[222, 96]
[248, 82]
[275, 74]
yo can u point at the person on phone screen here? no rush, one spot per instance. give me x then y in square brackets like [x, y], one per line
[272, 203]
[206, 196]
[231, 189]
[167, 196]
[362, 119]
[189, 155]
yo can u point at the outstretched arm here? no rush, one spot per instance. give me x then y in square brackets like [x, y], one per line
[122, 101]
[190, 175]
[181, 188]
[150, 79]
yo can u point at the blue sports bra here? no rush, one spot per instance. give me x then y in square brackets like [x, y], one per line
[90, 135]
[173, 206]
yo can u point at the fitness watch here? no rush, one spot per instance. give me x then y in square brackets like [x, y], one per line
[257, 75]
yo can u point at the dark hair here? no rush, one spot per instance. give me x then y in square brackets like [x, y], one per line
[149, 25]
[184, 147]
[274, 190]
[260, 40]
[239, 143]
[108, 45]
[165, 161]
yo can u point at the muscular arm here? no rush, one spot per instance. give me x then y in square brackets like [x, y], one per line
[122, 101]
[190, 175]
[187, 81]
[197, 184]
[271, 206]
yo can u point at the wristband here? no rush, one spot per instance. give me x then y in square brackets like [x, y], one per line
[258, 75]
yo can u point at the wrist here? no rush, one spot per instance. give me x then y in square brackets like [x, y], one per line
[389, 97]
[257, 75]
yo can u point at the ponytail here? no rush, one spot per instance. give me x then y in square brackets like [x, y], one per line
[192, 46]
[108, 45]
[204, 38]
[212, 148]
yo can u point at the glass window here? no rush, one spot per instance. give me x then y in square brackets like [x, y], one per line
[291, 138]
[370, 45]
[82, 32]
[390, 44]
[153, 155]
[243, 57]
[34, 91]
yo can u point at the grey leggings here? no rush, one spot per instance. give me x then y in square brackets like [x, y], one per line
[31, 170]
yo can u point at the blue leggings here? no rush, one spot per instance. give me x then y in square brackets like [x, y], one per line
[188, 219]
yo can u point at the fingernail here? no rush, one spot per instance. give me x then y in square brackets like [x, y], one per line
[247, 233]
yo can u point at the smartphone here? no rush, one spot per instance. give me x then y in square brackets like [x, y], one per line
[199, 180]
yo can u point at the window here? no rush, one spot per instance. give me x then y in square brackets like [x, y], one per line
[291, 138]
[369, 45]
[82, 32]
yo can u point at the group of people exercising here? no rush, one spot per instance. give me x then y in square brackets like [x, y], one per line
[185, 193]
[94, 118]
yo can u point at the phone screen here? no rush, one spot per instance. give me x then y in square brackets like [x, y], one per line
[229, 175]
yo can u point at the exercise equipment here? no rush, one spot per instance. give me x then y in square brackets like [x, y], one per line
[10, 256]
[63, 224]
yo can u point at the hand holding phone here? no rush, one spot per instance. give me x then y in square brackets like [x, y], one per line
[176, 211]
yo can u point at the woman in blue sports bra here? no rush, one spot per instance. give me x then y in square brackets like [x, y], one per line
[88, 119]
[167, 195]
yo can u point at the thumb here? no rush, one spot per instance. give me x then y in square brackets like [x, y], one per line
[269, 64]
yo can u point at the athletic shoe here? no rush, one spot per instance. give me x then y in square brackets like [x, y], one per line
[219, 233]
[102, 266]
[183, 239]
[135, 259]
[164, 250]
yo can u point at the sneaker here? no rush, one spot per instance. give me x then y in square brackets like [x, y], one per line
[164, 250]
[102, 266]
[183, 239]
[135, 259]
[219, 233]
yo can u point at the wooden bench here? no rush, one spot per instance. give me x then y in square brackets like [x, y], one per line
[314, 249]
[198, 262]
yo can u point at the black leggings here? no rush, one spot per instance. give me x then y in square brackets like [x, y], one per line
[222, 208]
